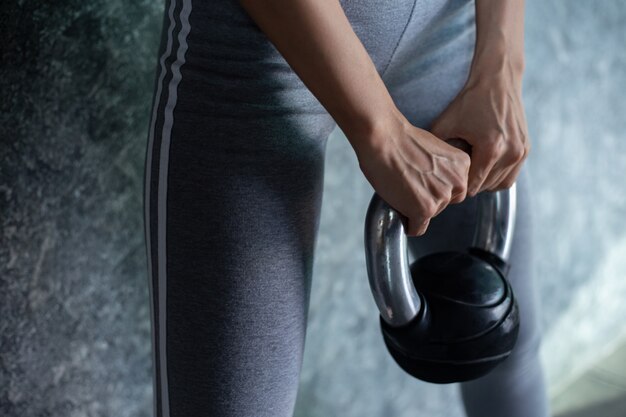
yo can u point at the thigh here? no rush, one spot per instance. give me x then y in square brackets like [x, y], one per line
[233, 190]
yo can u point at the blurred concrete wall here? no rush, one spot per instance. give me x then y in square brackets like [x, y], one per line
[574, 92]
[76, 82]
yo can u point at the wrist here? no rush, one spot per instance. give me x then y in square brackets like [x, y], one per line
[371, 143]
[369, 129]
[497, 64]
[499, 49]
[499, 38]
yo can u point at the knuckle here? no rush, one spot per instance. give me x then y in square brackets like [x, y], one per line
[496, 141]
[465, 162]
[491, 187]
[498, 187]
[459, 197]
[442, 193]
[443, 199]
[429, 209]
[491, 150]
[442, 204]
[517, 152]
[479, 177]
[508, 183]
[459, 186]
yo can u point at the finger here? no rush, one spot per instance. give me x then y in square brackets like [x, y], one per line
[508, 181]
[416, 224]
[410, 229]
[483, 160]
[498, 172]
[492, 184]
[459, 197]
[441, 208]
[502, 180]
[427, 211]
[420, 227]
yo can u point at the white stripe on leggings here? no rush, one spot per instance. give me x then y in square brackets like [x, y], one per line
[147, 200]
[162, 191]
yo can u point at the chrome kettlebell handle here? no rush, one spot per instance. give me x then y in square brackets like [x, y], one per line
[387, 257]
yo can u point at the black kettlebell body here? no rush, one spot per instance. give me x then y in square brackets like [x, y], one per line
[449, 316]
[468, 322]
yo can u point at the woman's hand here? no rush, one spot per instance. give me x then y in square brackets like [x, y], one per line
[489, 115]
[415, 172]
[488, 112]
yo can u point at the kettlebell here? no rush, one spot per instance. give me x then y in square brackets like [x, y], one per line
[450, 316]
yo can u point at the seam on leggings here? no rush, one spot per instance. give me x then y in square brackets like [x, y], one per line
[147, 209]
[393, 53]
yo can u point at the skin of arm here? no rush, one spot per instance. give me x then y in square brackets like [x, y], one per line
[410, 168]
[488, 113]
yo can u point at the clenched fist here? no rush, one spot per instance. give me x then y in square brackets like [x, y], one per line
[415, 172]
[488, 113]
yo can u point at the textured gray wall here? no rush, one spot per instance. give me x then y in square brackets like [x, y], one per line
[76, 82]
[576, 106]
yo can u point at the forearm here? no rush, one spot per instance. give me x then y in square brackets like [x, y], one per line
[317, 40]
[499, 40]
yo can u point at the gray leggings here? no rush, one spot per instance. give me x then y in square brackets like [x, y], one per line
[233, 191]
